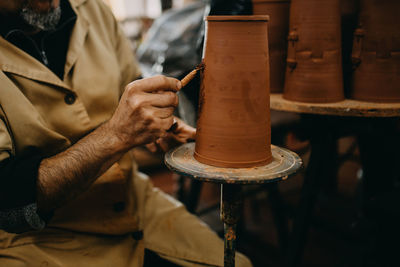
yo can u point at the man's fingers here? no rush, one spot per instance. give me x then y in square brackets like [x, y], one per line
[162, 113]
[152, 147]
[157, 100]
[163, 99]
[166, 123]
[163, 144]
[156, 84]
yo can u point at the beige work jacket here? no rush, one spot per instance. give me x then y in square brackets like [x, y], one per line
[36, 111]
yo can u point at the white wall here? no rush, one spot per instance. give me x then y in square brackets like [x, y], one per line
[135, 8]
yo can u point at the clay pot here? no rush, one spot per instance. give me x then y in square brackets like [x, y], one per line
[233, 128]
[349, 16]
[278, 26]
[375, 54]
[314, 64]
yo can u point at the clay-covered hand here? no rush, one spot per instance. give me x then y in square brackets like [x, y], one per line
[145, 111]
[180, 133]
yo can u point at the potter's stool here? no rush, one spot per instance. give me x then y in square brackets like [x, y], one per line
[284, 163]
[324, 124]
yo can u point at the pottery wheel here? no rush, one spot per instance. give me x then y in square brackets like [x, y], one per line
[284, 163]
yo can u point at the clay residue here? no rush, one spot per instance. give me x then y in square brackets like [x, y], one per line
[251, 105]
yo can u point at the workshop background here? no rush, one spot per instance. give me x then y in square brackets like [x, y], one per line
[167, 36]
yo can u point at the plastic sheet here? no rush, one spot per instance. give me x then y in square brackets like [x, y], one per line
[173, 43]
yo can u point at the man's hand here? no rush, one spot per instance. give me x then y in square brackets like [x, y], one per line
[142, 116]
[145, 111]
[179, 134]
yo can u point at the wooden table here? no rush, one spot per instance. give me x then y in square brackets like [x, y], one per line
[374, 124]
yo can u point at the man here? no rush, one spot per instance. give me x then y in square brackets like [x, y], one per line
[70, 193]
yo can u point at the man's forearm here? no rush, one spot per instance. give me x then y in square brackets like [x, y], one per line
[69, 173]
[142, 116]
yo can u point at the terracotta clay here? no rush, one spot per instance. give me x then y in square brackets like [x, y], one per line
[314, 64]
[376, 52]
[349, 16]
[278, 11]
[233, 128]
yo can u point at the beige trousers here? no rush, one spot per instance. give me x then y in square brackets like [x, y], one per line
[169, 230]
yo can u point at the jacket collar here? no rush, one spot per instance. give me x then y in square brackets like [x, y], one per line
[77, 3]
[14, 60]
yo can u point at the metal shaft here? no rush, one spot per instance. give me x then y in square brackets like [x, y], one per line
[231, 205]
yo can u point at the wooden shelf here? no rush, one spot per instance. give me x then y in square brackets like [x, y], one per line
[348, 107]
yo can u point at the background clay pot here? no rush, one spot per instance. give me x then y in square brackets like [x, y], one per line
[314, 65]
[278, 25]
[376, 52]
[233, 128]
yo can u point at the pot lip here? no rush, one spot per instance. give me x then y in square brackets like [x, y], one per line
[238, 18]
[270, 1]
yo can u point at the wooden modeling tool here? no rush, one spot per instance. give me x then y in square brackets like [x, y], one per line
[190, 76]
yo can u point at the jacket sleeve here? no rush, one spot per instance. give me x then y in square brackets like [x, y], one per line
[18, 209]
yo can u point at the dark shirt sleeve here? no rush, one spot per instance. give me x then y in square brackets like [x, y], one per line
[18, 209]
[22, 219]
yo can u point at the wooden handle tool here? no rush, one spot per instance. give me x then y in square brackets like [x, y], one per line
[191, 74]
[185, 80]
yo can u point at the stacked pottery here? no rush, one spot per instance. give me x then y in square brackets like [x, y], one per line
[314, 65]
[233, 128]
[278, 11]
[376, 52]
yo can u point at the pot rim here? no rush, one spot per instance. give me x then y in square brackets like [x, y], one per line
[238, 18]
[270, 1]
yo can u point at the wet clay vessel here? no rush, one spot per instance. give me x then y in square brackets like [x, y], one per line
[233, 128]
[314, 64]
[278, 26]
[376, 52]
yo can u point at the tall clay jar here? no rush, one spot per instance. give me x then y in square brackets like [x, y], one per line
[314, 64]
[376, 52]
[278, 26]
[233, 128]
[349, 17]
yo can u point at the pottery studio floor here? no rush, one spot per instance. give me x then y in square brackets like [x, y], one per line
[332, 240]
